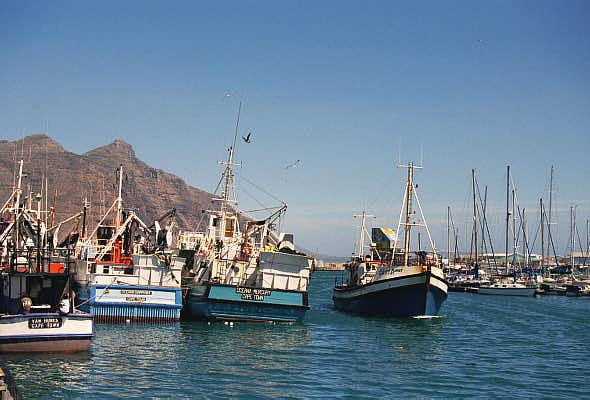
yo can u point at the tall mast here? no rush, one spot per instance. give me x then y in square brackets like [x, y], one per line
[229, 183]
[549, 222]
[514, 254]
[542, 236]
[573, 236]
[475, 229]
[409, 190]
[17, 205]
[507, 213]
[449, 234]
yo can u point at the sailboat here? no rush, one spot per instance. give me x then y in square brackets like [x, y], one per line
[507, 288]
[400, 286]
[243, 270]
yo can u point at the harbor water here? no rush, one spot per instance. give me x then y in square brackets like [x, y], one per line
[480, 346]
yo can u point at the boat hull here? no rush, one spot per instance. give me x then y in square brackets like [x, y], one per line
[46, 332]
[124, 303]
[234, 303]
[497, 291]
[404, 296]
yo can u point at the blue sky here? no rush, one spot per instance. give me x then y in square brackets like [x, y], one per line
[345, 87]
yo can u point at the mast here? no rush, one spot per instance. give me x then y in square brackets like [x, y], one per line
[573, 236]
[507, 213]
[475, 229]
[449, 234]
[542, 236]
[549, 222]
[119, 199]
[514, 254]
[16, 206]
[363, 216]
[409, 189]
[229, 184]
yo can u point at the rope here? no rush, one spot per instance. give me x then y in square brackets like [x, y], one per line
[103, 293]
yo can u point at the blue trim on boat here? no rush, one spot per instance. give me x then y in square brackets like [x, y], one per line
[237, 303]
[108, 311]
[137, 305]
[43, 338]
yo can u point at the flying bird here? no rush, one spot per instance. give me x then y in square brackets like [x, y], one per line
[481, 41]
[293, 165]
[247, 138]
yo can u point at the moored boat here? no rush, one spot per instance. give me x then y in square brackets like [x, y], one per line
[507, 289]
[46, 332]
[243, 270]
[376, 286]
[126, 272]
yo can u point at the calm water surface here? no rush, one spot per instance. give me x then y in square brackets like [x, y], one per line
[481, 346]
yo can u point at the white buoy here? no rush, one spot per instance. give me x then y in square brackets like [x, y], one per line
[231, 324]
[128, 321]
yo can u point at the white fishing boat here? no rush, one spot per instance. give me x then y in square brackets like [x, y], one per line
[126, 271]
[46, 332]
[34, 280]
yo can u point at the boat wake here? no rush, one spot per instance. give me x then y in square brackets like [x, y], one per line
[427, 316]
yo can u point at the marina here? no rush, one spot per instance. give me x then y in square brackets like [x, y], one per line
[475, 339]
[294, 200]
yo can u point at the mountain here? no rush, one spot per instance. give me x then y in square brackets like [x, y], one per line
[92, 175]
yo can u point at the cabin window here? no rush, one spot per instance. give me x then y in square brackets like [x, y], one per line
[229, 227]
[105, 269]
[215, 222]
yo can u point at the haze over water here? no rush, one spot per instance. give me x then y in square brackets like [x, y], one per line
[481, 346]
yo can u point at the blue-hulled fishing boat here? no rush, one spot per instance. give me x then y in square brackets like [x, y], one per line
[126, 272]
[391, 283]
[243, 270]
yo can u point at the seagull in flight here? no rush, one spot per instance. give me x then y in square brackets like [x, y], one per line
[481, 41]
[247, 138]
[293, 164]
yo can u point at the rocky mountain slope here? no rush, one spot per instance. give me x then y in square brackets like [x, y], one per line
[74, 177]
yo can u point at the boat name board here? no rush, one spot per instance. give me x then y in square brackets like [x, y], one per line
[137, 292]
[135, 296]
[253, 294]
[45, 323]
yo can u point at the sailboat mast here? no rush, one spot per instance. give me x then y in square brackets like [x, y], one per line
[550, 205]
[475, 229]
[409, 190]
[507, 213]
[542, 236]
[449, 234]
[573, 236]
[514, 254]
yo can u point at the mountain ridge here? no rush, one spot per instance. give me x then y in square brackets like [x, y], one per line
[92, 176]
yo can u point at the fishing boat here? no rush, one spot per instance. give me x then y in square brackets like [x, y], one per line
[46, 332]
[243, 269]
[34, 280]
[399, 286]
[126, 271]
